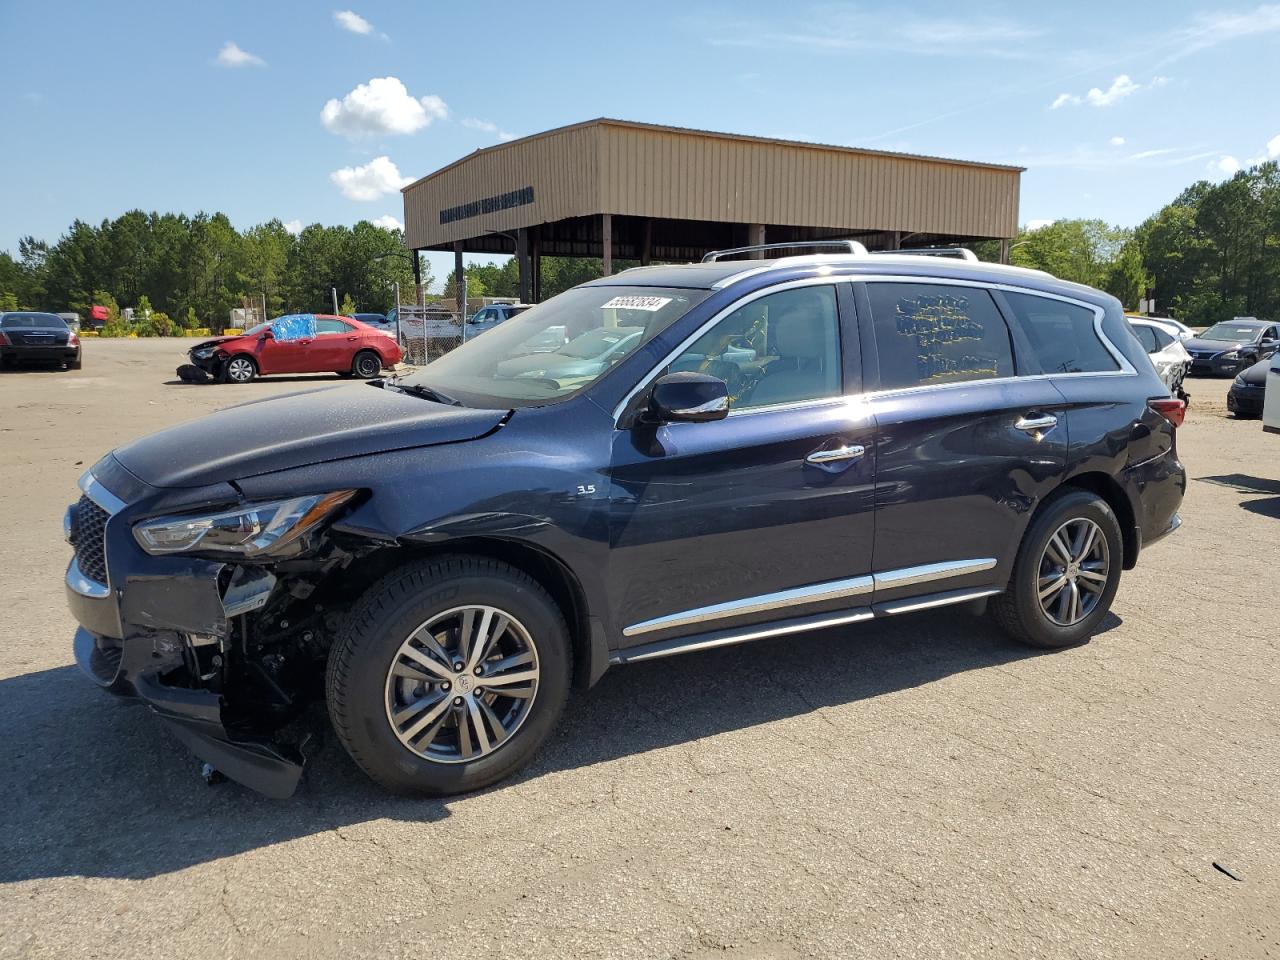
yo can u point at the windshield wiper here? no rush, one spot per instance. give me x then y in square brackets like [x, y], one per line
[427, 393]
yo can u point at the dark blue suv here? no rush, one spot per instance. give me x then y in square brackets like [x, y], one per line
[750, 448]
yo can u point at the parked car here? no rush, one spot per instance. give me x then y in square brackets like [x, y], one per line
[1230, 347]
[486, 318]
[1248, 390]
[1271, 398]
[321, 343]
[378, 321]
[1166, 351]
[72, 320]
[30, 337]
[1176, 327]
[782, 445]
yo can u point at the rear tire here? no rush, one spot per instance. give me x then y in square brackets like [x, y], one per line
[366, 365]
[382, 701]
[74, 364]
[1062, 586]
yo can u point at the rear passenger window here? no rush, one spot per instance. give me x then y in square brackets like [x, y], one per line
[1062, 334]
[937, 333]
[1146, 336]
[1162, 339]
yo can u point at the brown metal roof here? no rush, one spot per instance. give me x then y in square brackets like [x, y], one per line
[653, 171]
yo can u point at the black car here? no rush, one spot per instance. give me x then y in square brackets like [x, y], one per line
[1227, 348]
[787, 444]
[1248, 390]
[28, 337]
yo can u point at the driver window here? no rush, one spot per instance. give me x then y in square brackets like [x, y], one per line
[781, 348]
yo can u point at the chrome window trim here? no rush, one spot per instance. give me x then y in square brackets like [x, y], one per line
[1126, 368]
[716, 318]
[83, 585]
[813, 593]
[92, 488]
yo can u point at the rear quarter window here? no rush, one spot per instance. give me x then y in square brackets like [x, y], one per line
[1063, 335]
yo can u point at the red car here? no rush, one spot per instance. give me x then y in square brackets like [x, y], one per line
[340, 345]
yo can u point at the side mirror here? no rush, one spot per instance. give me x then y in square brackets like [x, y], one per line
[267, 335]
[688, 398]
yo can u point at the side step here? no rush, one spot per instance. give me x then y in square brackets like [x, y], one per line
[778, 628]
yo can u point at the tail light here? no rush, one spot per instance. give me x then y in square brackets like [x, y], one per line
[73, 341]
[4, 341]
[1173, 410]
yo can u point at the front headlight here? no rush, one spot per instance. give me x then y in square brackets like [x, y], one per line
[1230, 355]
[1238, 381]
[204, 354]
[253, 530]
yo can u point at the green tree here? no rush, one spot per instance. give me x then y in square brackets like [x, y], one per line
[348, 306]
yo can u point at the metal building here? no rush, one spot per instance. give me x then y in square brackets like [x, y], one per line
[617, 189]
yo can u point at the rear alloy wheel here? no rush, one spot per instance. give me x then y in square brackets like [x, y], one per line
[448, 675]
[239, 370]
[366, 365]
[1066, 573]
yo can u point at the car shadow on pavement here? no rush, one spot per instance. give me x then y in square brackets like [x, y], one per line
[1244, 483]
[94, 787]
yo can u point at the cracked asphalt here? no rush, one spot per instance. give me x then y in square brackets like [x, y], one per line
[918, 787]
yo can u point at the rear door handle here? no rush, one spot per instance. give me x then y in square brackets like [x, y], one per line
[850, 451]
[1030, 424]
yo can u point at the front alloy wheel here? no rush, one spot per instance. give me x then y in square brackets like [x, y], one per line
[462, 683]
[240, 370]
[1073, 572]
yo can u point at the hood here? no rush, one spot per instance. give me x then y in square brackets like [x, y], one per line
[294, 430]
[214, 342]
[1257, 374]
[1217, 346]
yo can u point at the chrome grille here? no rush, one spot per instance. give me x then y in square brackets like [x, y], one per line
[88, 536]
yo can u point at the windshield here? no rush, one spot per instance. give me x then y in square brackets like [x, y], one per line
[11, 321]
[1231, 331]
[508, 366]
[256, 331]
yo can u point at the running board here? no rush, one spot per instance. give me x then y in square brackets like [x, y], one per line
[778, 628]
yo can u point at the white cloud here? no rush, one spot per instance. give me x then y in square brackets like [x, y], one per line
[388, 222]
[232, 56]
[1116, 141]
[351, 21]
[471, 123]
[1211, 29]
[293, 226]
[1226, 164]
[381, 106]
[1121, 87]
[369, 182]
[1038, 224]
[848, 28]
[1273, 148]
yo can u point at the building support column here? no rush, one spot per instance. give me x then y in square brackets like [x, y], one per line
[606, 242]
[1004, 250]
[417, 279]
[522, 258]
[755, 237]
[459, 280]
[646, 249]
[536, 292]
[895, 240]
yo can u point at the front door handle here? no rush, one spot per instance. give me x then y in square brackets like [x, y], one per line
[849, 451]
[1033, 424]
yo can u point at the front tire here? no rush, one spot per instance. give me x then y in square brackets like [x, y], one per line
[449, 675]
[1066, 573]
[239, 370]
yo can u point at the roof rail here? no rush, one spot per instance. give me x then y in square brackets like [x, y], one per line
[959, 253]
[846, 246]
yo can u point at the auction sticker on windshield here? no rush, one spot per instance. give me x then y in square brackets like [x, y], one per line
[652, 304]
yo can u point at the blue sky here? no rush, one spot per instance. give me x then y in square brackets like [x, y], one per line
[311, 112]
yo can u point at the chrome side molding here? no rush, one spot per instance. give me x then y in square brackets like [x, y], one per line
[725, 638]
[832, 590]
[813, 593]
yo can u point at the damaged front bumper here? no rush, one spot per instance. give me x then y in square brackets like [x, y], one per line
[172, 633]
